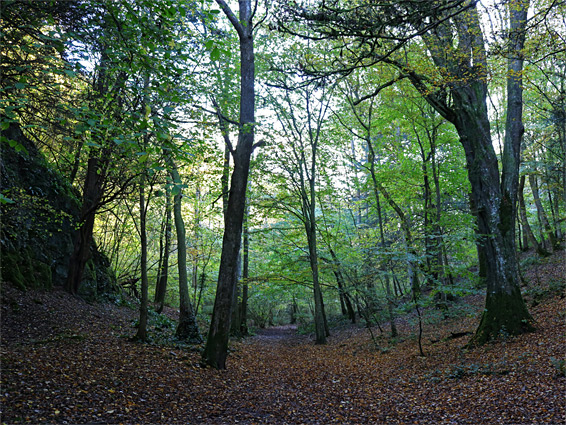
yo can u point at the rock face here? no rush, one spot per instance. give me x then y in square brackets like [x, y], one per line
[39, 214]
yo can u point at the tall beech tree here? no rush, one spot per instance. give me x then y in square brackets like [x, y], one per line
[216, 349]
[455, 83]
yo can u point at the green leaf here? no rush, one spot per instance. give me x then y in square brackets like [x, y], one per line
[142, 156]
[14, 144]
[4, 200]
[215, 54]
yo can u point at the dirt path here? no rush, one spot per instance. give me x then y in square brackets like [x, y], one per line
[277, 332]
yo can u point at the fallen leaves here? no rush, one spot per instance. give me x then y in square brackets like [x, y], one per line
[278, 377]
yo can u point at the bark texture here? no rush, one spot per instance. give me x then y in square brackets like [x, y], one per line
[216, 349]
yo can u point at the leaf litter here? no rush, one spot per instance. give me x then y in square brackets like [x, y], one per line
[68, 362]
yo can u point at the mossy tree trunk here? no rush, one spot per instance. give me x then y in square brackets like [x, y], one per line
[505, 310]
[493, 199]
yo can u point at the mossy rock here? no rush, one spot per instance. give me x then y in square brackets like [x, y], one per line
[11, 270]
[88, 289]
[43, 276]
[24, 272]
[39, 227]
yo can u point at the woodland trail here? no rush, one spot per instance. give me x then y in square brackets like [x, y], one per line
[68, 362]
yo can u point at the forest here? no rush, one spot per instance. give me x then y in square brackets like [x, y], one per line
[283, 211]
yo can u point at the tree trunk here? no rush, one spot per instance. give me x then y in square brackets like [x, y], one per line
[245, 276]
[162, 277]
[554, 211]
[92, 194]
[431, 241]
[346, 303]
[505, 310]
[141, 334]
[542, 213]
[412, 266]
[494, 201]
[93, 189]
[557, 219]
[527, 231]
[216, 349]
[187, 328]
[235, 320]
[319, 319]
[376, 190]
[442, 258]
[294, 311]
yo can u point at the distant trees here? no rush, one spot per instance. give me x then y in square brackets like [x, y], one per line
[302, 128]
[454, 82]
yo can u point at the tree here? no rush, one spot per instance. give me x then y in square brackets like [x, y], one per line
[163, 265]
[187, 328]
[216, 349]
[302, 128]
[110, 116]
[454, 82]
[141, 334]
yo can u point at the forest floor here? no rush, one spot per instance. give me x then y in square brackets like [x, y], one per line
[65, 361]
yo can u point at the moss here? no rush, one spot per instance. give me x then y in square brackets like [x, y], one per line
[88, 289]
[11, 270]
[43, 276]
[504, 315]
[27, 269]
[24, 272]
